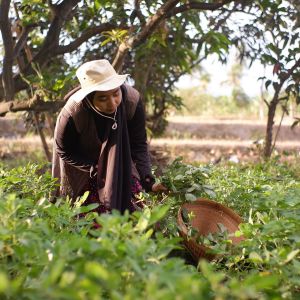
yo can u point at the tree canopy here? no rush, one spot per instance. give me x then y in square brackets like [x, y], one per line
[155, 41]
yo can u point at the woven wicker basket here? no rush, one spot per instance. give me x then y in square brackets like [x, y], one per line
[208, 214]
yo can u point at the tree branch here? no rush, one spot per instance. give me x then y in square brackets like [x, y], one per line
[166, 10]
[22, 40]
[272, 109]
[285, 76]
[293, 68]
[151, 24]
[137, 11]
[198, 6]
[277, 132]
[87, 34]
[33, 104]
[60, 13]
[51, 42]
[5, 28]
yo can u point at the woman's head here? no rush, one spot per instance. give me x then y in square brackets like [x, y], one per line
[98, 76]
[106, 101]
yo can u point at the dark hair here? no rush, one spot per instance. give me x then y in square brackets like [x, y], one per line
[90, 96]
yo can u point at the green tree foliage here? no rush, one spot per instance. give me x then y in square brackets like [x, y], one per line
[155, 42]
[60, 36]
[272, 36]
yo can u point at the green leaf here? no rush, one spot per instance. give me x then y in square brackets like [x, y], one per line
[179, 177]
[143, 220]
[108, 40]
[209, 192]
[190, 197]
[4, 283]
[291, 256]
[267, 83]
[157, 213]
[255, 257]
[262, 282]
[274, 48]
[185, 215]
[97, 4]
[209, 273]
[56, 270]
[90, 207]
[97, 270]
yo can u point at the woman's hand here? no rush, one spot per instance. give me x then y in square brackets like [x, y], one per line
[158, 187]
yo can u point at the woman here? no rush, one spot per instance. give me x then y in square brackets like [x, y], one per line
[100, 142]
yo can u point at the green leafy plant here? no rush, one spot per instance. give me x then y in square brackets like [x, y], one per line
[117, 36]
[48, 251]
[268, 197]
[185, 182]
[188, 181]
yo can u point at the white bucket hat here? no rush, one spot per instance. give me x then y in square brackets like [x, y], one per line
[97, 75]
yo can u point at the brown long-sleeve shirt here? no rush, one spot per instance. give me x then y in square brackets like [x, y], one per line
[67, 143]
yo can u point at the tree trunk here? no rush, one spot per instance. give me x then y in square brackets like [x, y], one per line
[35, 114]
[42, 136]
[120, 56]
[272, 108]
[7, 68]
[51, 123]
[269, 131]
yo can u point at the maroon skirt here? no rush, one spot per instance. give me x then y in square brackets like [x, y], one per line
[93, 197]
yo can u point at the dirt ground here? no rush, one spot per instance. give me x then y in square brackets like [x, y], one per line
[193, 138]
[215, 140]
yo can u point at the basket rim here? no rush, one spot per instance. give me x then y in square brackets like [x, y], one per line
[208, 203]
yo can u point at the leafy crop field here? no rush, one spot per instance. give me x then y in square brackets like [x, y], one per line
[55, 251]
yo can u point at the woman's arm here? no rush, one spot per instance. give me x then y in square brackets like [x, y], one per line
[66, 140]
[139, 146]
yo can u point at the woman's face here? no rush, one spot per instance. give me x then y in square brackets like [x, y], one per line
[108, 101]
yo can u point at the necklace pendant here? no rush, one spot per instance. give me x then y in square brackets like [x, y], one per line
[115, 126]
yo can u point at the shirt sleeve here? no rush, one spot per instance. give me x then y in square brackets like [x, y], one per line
[139, 146]
[66, 140]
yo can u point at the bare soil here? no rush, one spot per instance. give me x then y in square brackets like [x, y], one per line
[210, 140]
[215, 140]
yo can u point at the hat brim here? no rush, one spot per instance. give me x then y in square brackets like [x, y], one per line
[110, 84]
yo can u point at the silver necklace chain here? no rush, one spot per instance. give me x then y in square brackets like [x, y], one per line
[115, 125]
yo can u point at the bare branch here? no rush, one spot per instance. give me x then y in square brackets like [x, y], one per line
[277, 132]
[293, 68]
[266, 102]
[198, 6]
[248, 13]
[285, 76]
[137, 11]
[34, 104]
[22, 40]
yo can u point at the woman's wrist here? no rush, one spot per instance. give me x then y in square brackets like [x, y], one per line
[148, 182]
